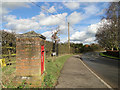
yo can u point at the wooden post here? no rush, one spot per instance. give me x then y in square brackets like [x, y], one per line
[68, 38]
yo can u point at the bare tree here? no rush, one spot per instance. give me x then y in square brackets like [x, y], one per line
[55, 40]
[108, 34]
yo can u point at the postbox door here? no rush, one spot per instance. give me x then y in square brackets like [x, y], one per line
[42, 59]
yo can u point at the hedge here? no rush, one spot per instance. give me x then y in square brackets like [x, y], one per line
[113, 53]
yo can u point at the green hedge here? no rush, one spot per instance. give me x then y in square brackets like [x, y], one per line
[112, 53]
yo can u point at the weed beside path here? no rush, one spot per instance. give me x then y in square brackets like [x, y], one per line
[53, 66]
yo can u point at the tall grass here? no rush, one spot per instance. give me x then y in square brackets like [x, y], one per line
[53, 68]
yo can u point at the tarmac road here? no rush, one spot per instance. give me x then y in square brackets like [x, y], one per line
[104, 67]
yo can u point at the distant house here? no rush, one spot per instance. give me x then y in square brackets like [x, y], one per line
[87, 45]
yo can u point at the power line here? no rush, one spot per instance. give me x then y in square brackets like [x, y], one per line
[53, 14]
[73, 28]
[47, 11]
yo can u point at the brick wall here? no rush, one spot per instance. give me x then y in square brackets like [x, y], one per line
[28, 56]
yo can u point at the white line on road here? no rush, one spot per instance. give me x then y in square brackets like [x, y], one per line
[97, 76]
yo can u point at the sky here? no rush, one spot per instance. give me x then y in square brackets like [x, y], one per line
[84, 19]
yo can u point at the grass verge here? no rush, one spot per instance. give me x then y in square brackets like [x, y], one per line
[53, 68]
[8, 74]
[108, 56]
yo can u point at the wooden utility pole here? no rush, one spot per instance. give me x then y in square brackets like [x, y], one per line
[68, 38]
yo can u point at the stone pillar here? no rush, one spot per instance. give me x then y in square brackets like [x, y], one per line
[28, 56]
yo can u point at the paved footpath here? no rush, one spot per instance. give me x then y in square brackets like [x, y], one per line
[75, 75]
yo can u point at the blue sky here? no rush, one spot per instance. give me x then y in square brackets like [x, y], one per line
[84, 18]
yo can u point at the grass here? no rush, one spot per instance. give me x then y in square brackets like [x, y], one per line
[53, 68]
[108, 56]
[8, 75]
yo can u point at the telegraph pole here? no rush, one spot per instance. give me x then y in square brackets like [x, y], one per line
[68, 38]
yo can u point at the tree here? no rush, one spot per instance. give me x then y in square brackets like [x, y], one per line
[107, 35]
[56, 40]
[76, 47]
[8, 41]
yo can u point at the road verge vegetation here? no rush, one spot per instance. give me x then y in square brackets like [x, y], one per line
[104, 55]
[53, 66]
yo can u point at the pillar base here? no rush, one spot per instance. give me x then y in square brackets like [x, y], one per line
[31, 82]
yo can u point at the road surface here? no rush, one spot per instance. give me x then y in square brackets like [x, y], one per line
[105, 68]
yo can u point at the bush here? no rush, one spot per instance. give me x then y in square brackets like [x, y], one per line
[114, 53]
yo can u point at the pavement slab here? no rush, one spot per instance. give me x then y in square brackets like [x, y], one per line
[75, 75]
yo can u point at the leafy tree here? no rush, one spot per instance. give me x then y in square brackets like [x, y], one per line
[76, 47]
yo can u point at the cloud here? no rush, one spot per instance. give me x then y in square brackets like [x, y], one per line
[101, 12]
[82, 36]
[75, 17]
[93, 28]
[44, 20]
[52, 9]
[61, 0]
[20, 0]
[20, 25]
[47, 34]
[72, 5]
[9, 18]
[77, 36]
[90, 40]
[91, 10]
[7, 30]
[63, 29]
[7, 7]
[14, 5]
[53, 19]
[63, 40]
[3, 11]
[33, 23]
[88, 35]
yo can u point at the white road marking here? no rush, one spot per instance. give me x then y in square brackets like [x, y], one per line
[97, 76]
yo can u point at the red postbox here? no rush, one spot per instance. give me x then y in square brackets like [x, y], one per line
[42, 59]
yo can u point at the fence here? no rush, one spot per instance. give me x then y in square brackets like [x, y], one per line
[8, 53]
[62, 48]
